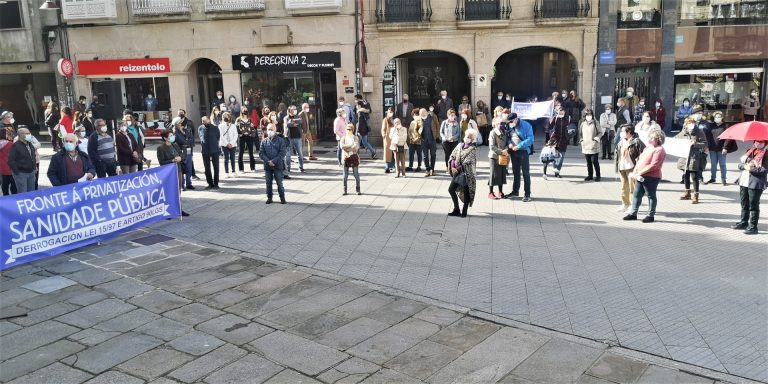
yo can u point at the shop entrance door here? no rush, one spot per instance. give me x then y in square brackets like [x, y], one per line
[641, 78]
[208, 82]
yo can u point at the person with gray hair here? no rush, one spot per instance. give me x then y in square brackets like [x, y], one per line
[101, 150]
[647, 175]
[21, 160]
[70, 165]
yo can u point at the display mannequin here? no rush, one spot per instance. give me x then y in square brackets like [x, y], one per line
[29, 95]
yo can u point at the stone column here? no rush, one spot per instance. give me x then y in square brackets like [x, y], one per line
[232, 85]
[667, 66]
[178, 85]
[605, 76]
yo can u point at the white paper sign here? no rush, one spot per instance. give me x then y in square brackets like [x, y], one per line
[532, 111]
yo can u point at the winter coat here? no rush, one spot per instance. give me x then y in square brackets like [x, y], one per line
[57, 169]
[126, 145]
[716, 145]
[467, 159]
[697, 159]
[634, 150]
[21, 158]
[414, 132]
[386, 127]
[209, 139]
[589, 135]
[228, 135]
[559, 133]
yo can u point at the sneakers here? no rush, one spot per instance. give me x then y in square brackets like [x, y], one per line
[648, 219]
[428, 174]
[630, 217]
[739, 225]
[409, 169]
[588, 178]
[418, 169]
[544, 176]
[597, 179]
[499, 196]
[527, 199]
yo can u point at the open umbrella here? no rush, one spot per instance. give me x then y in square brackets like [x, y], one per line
[746, 131]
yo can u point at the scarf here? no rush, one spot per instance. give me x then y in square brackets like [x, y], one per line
[756, 155]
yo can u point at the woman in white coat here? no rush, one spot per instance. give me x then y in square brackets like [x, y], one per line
[228, 142]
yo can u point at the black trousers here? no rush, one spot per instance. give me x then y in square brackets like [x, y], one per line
[448, 148]
[8, 186]
[692, 177]
[211, 161]
[521, 164]
[414, 148]
[104, 169]
[605, 144]
[246, 141]
[593, 166]
[750, 206]
[453, 191]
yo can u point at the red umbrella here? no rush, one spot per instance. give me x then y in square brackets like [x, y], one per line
[746, 131]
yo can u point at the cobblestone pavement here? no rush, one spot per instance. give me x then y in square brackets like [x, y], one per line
[685, 287]
[150, 308]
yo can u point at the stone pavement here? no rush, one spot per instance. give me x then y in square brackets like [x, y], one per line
[685, 288]
[150, 308]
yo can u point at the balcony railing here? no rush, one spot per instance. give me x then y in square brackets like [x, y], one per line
[483, 10]
[160, 7]
[553, 9]
[403, 11]
[234, 5]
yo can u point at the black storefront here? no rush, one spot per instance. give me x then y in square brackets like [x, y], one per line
[293, 79]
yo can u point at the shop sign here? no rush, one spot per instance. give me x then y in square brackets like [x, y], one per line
[290, 61]
[88, 9]
[65, 67]
[124, 67]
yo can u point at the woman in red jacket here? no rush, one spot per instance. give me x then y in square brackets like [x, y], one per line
[658, 113]
[67, 120]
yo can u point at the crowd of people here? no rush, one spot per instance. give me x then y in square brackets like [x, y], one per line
[85, 148]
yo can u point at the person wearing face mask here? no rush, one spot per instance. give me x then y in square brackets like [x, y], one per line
[136, 132]
[558, 138]
[483, 119]
[573, 109]
[340, 129]
[80, 105]
[467, 123]
[209, 147]
[415, 130]
[497, 147]
[750, 106]
[169, 152]
[265, 120]
[127, 150]
[82, 139]
[386, 127]
[631, 99]
[428, 143]
[694, 164]
[228, 143]
[646, 123]
[449, 135]
[589, 137]
[185, 140]
[753, 180]
[718, 149]
[350, 144]
[464, 106]
[500, 101]
[246, 140]
[363, 127]
[218, 100]
[647, 175]
[399, 137]
[608, 126]
[101, 150]
[233, 106]
[520, 147]
[308, 129]
[6, 143]
[462, 167]
[444, 104]
[52, 117]
[272, 152]
[89, 122]
[292, 125]
[627, 152]
[21, 161]
[683, 112]
[351, 116]
[659, 114]
[639, 111]
[404, 111]
[70, 164]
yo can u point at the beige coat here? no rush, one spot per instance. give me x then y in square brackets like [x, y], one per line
[590, 133]
[385, 130]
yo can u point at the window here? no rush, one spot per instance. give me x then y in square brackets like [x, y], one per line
[722, 12]
[717, 86]
[639, 14]
[10, 14]
[137, 90]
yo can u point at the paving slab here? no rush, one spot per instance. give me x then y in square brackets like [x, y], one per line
[30, 338]
[196, 343]
[193, 314]
[558, 361]
[42, 314]
[202, 366]
[154, 363]
[655, 374]
[159, 301]
[617, 368]
[492, 359]
[272, 282]
[423, 360]
[95, 313]
[165, 329]
[352, 333]
[124, 288]
[291, 377]
[386, 376]
[36, 359]
[114, 377]
[363, 305]
[94, 276]
[439, 316]
[305, 309]
[298, 353]
[319, 325]
[397, 311]
[393, 341]
[256, 369]
[49, 284]
[271, 301]
[127, 321]
[114, 351]
[465, 333]
[234, 329]
[54, 373]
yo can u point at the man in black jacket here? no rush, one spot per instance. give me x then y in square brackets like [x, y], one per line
[21, 160]
[209, 147]
[70, 164]
[443, 105]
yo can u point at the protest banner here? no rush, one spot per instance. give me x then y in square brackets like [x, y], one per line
[533, 111]
[672, 146]
[51, 221]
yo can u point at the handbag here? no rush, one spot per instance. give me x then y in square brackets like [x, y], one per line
[352, 161]
[460, 179]
[503, 159]
[61, 132]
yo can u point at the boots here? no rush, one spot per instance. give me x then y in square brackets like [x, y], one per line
[752, 227]
[695, 198]
[686, 195]
[357, 189]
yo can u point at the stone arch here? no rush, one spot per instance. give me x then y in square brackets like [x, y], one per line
[545, 68]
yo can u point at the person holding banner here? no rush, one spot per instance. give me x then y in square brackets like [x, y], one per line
[169, 153]
[70, 165]
[272, 152]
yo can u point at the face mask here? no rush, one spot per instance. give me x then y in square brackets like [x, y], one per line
[697, 116]
[463, 117]
[690, 127]
[658, 105]
[467, 141]
[12, 120]
[444, 97]
[431, 109]
[646, 119]
[232, 100]
[620, 106]
[686, 104]
[718, 120]
[305, 110]
[509, 98]
[500, 96]
[219, 96]
[123, 129]
[390, 114]
[341, 103]
[564, 95]
[607, 110]
[69, 147]
[759, 145]
[629, 94]
[274, 118]
[504, 116]
[103, 129]
[753, 94]
[82, 133]
[90, 115]
[270, 134]
[588, 117]
[642, 103]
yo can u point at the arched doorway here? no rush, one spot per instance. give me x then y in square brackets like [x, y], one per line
[534, 71]
[422, 75]
[208, 76]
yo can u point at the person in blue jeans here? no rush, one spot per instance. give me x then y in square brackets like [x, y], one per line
[647, 174]
[718, 149]
[363, 127]
[520, 143]
[272, 152]
[295, 138]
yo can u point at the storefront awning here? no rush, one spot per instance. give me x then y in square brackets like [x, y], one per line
[717, 71]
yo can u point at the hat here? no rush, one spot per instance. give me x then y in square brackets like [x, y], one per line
[512, 116]
[697, 108]
[630, 89]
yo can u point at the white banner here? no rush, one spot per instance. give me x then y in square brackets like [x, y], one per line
[533, 111]
[672, 146]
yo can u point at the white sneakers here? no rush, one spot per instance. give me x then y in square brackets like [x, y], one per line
[622, 208]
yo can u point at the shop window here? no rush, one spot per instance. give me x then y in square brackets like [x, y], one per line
[722, 12]
[717, 89]
[639, 14]
[137, 90]
[10, 14]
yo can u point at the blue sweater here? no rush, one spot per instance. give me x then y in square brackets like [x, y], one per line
[525, 131]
